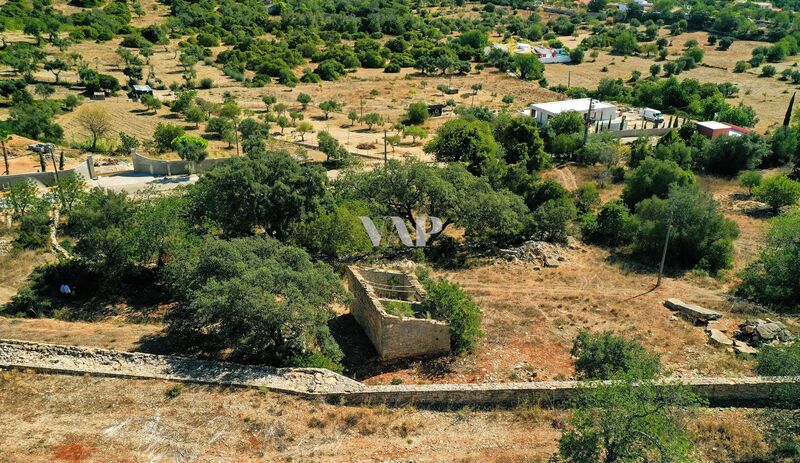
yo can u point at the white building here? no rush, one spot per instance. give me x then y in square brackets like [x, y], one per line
[600, 111]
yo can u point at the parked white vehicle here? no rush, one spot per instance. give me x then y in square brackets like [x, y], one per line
[652, 115]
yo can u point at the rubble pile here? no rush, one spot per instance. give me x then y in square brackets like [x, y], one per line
[537, 252]
[759, 332]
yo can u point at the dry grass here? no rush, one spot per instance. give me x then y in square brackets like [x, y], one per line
[47, 418]
[728, 435]
[15, 268]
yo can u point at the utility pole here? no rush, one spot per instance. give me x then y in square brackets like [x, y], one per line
[569, 79]
[588, 121]
[664, 252]
[361, 103]
[385, 153]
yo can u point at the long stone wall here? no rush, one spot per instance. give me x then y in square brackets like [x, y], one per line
[394, 336]
[319, 384]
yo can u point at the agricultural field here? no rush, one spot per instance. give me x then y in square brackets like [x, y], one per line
[264, 134]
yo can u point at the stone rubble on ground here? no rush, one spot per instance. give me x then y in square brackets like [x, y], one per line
[538, 252]
[5, 247]
[693, 312]
[758, 332]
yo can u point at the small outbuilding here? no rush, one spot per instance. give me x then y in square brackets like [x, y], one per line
[601, 111]
[714, 129]
[141, 90]
[98, 96]
[435, 110]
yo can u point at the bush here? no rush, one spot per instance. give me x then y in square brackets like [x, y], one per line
[417, 113]
[654, 177]
[774, 278]
[729, 155]
[750, 179]
[612, 226]
[447, 301]
[604, 356]
[587, 198]
[207, 83]
[778, 191]
[768, 71]
[34, 227]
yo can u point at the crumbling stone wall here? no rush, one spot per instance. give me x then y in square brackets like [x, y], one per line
[394, 336]
[320, 384]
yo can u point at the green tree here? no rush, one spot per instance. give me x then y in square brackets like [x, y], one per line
[729, 155]
[774, 278]
[629, 420]
[625, 43]
[372, 119]
[304, 99]
[190, 148]
[612, 226]
[271, 192]
[329, 106]
[164, 134]
[334, 152]
[701, 237]
[195, 114]
[304, 128]
[750, 179]
[414, 131]
[151, 103]
[417, 113]
[69, 189]
[264, 301]
[742, 115]
[338, 233]
[654, 177]
[521, 143]
[528, 66]
[20, 196]
[468, 141]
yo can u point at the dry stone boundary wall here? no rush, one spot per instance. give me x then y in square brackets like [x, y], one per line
[322, 384]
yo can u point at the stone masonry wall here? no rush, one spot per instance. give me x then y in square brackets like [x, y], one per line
[322, 384]
[394, 336]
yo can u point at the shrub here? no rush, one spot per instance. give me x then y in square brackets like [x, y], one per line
[774, 278]
[587, 198]
[604, 356]
[768, 71]
[729, 155]
[778, 191]
[612, 226]
[750, 179]
[417, 113]
[447, 301]
[207, 83]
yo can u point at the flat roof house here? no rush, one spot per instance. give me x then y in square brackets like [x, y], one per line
[600, 111]
[714, 129]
